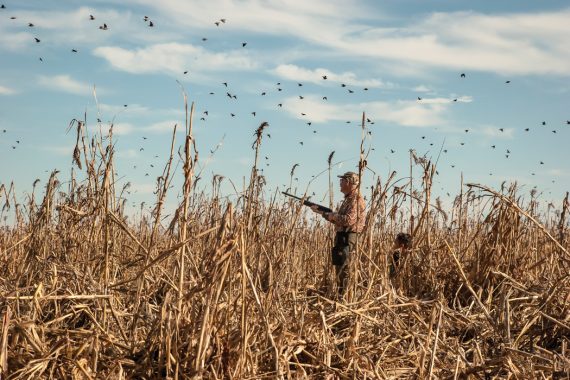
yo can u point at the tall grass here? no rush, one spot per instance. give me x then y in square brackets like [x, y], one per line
[243, 289]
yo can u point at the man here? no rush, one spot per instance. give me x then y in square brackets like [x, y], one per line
[402, 244]
[349, 221]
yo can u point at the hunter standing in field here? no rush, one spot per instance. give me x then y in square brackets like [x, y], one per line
[402, 244]
[349, 222]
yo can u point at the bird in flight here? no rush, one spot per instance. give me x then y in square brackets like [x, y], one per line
[104, 27]
[243, 44]
[462, 75]
[37, 40]
[91, 17]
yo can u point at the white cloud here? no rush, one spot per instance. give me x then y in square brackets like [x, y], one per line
[494, 132]
[165, 126]
[6, 91]
[421, 88]
[296, 73]
[506, 44]
[406, 113]
[558, 173]
[65, 83]
[460, 99]
[509, 43]
[59, 150]
[174, 58]
[121, 129]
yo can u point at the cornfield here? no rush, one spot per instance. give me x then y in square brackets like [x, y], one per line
[243, 289]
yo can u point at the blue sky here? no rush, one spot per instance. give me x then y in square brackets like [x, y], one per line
[379, 57]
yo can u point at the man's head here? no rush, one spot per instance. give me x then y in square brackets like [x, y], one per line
[403, 240]
[348, 182]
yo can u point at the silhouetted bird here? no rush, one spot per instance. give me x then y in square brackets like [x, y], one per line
[150, 24]
[233, 114]
[324, 77]
[301, 97]
[527, 129]
[30, 25]
[91, 17]
[223, 20]
[419, 98]
[225, 84]
[103, 27]
[501, 129]
[253, 113]
[74, 50]
[37, 39]
[186, 72]
[462, 75]
[544, 123]
[280, 105]
[325, 98]
[243, 44]
[508, 81]
[217, 23]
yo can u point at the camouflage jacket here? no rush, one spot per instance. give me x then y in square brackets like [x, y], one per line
[351, 214]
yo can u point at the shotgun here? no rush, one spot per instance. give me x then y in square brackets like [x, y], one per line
[309, 203]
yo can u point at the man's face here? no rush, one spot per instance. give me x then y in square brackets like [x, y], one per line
[345, 186]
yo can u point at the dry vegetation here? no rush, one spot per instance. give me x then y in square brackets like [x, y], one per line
[242, 290]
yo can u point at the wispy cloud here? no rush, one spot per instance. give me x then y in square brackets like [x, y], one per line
[421, 88]
[166, 126]
[67, 84]
[495, 132]
[7, 91]
[173, 58]
[296, 73]
[406, 113]
[509, 43]
[460, 99]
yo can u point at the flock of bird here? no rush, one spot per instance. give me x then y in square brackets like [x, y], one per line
[232, 96]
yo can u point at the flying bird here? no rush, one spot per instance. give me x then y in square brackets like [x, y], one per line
[37, 39]
[74, 50]
[243, 44]
[508, 81]
[324, 77]
[150, 24]
[30, 25]
[91, 17]
[103, 27]
[462, 75]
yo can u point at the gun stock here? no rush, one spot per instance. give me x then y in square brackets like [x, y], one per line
[309, 203]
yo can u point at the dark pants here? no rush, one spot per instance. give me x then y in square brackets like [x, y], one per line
[344, 245]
